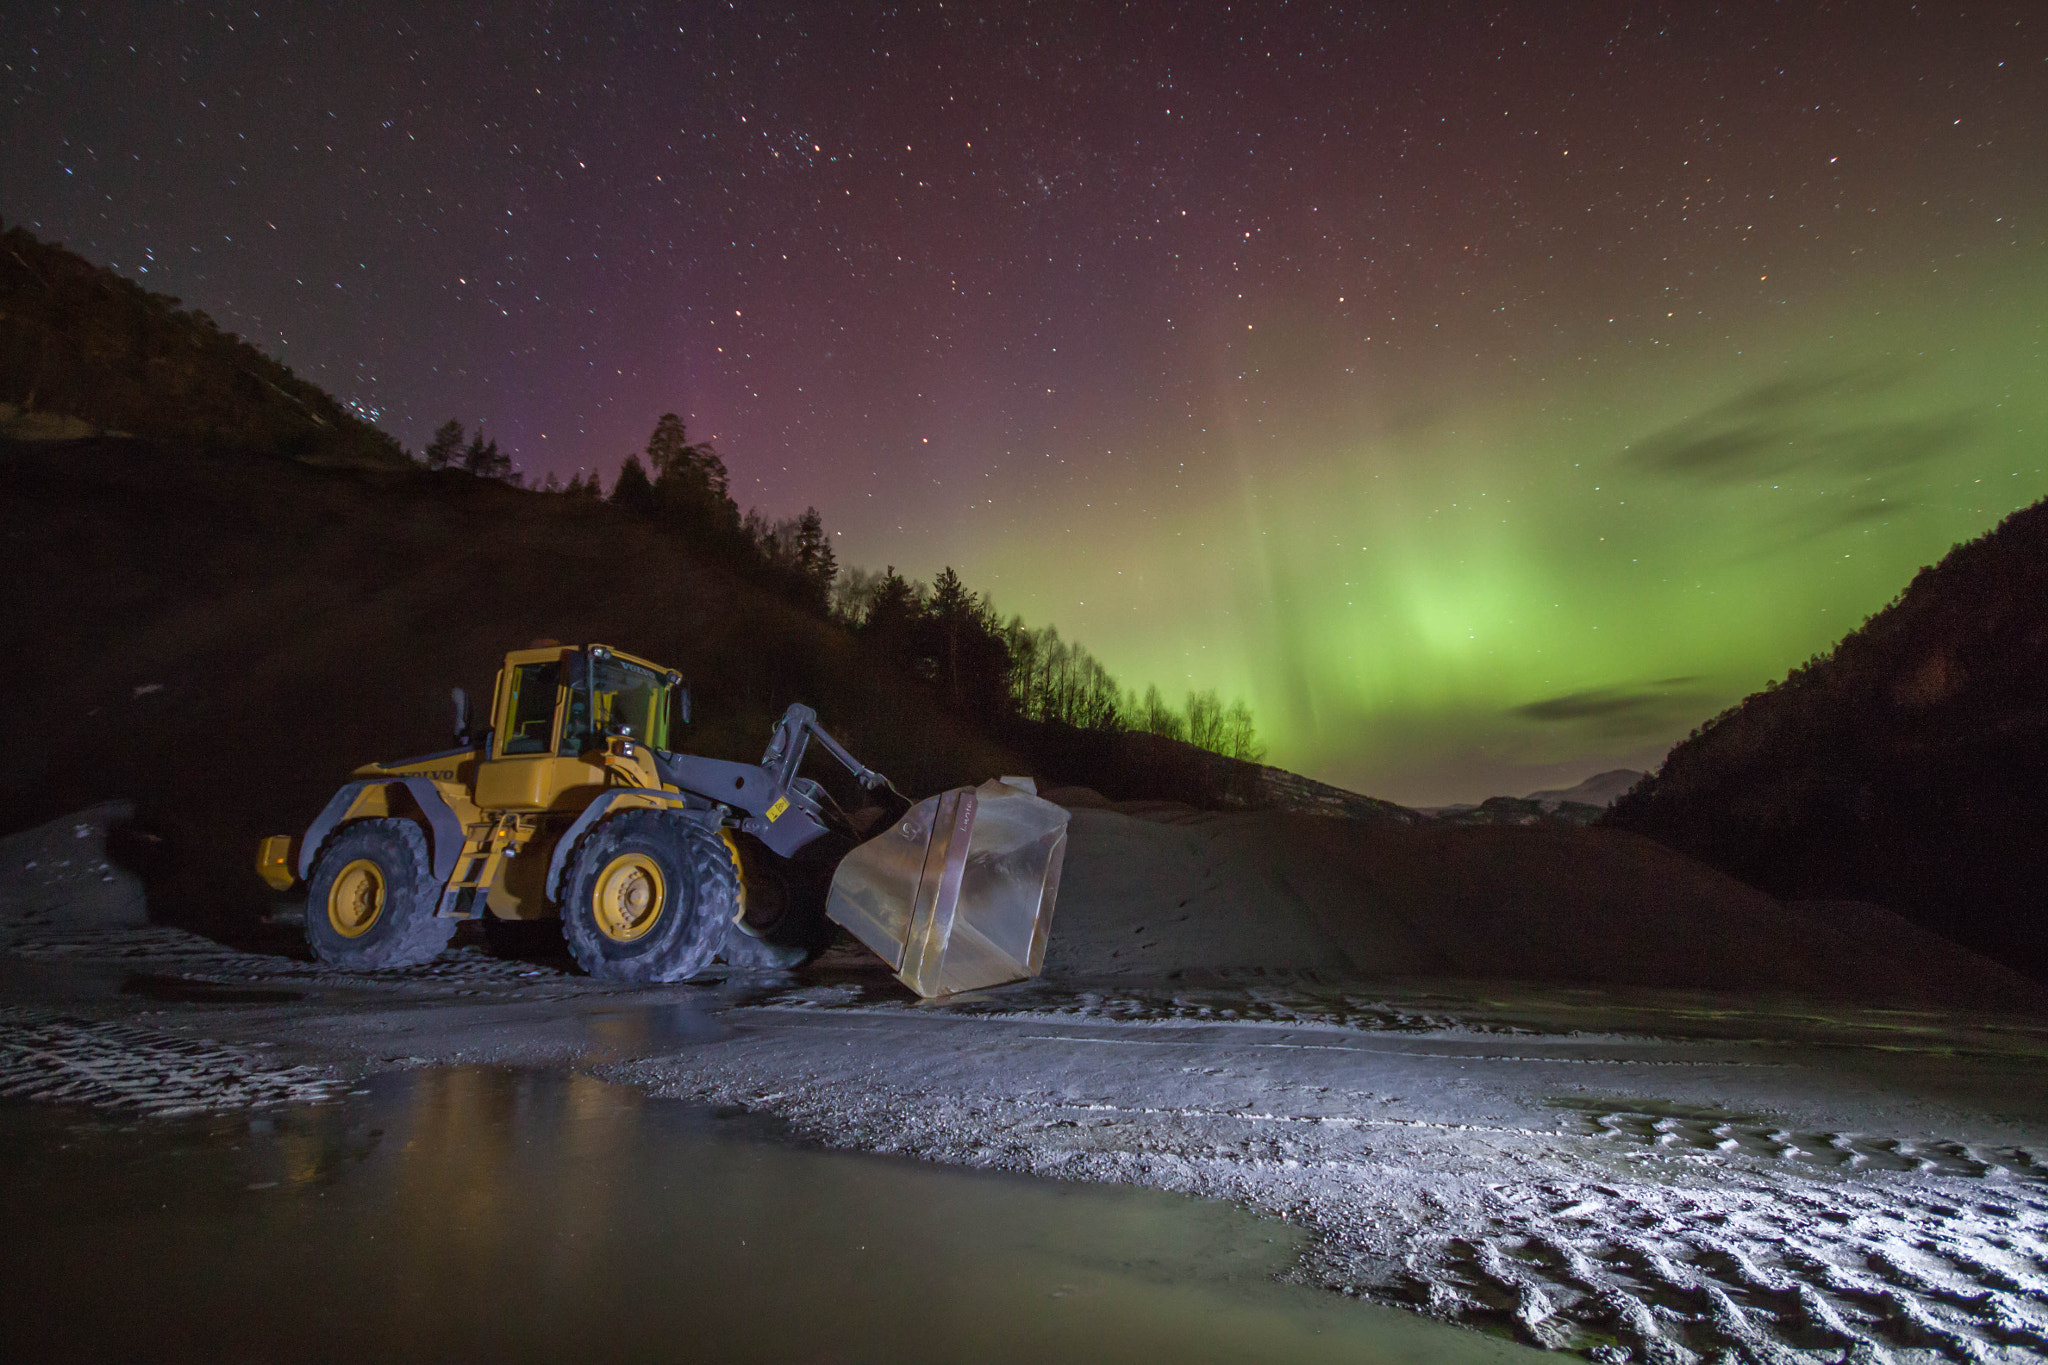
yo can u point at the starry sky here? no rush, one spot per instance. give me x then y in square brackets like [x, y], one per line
[1487, 394]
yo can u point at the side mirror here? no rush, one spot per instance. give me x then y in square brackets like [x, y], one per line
[682, 703]
[461, 699]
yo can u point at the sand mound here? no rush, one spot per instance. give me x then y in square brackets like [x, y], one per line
[1234, 895]
[62, 875]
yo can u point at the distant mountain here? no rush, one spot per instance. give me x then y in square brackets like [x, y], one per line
[1579, 805]
[1513, 810]
[1905, 768]
[1601, 789]
[84, 351]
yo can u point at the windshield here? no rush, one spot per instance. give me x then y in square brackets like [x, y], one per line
[627, 694]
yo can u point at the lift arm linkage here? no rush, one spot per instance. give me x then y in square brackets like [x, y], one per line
[785, 753]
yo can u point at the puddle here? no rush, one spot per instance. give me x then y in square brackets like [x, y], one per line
[480, 1213]
[644, 1030]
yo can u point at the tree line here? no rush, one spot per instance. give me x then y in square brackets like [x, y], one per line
[942, 632]
[995, 669]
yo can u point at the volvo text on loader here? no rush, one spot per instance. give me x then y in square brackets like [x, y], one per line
[573, 803]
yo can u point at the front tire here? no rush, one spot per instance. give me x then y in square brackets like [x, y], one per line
[648, 898]
[372, 898]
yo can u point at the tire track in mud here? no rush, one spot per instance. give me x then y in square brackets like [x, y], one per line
[1281, 1002]
[59, 1059]
[460, 970]
[1675, 1128]
[1663, 1275]
[1851, 1246]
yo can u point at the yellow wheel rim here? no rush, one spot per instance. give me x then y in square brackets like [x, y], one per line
[629, 898]
[739, 873]
[356, 899]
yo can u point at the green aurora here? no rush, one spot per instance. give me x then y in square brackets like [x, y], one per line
[1441, 600]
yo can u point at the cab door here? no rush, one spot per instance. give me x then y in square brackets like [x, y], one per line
[524, 770]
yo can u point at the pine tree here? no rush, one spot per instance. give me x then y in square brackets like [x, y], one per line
[968, 656]
[446, 445]
[668, 449]
[632, 490]
[895, 618]
[815, 563]
[692, 490]
[483, 459]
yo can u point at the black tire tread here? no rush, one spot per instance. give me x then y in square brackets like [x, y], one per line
[694, 933]
[408, 934]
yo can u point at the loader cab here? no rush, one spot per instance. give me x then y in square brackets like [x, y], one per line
[608, 693]
[552, 712]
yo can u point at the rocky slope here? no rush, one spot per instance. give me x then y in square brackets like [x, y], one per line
[1904, 768]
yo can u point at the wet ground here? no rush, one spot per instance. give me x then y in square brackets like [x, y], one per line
[491, 1213]
[493, 1156]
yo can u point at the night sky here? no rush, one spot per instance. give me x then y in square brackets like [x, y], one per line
[1488, 396]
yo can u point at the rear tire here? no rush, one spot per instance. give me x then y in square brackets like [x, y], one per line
[371, 901]
[648, 898]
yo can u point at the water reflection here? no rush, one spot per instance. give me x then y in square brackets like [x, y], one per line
[472, 1213]
[643, 1030]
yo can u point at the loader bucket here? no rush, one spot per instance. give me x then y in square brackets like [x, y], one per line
[957, 894]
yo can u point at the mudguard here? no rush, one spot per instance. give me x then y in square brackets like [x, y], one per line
[558, 861]
[444, 831]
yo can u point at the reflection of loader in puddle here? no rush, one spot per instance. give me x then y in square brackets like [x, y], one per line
[573, 804]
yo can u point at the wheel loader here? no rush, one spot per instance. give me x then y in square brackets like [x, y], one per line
[573, 804]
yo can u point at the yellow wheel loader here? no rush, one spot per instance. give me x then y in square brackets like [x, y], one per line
[573, 804]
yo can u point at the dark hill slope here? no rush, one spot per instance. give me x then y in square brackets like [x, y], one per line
[223, 637]
[1906, 768]
[78, 340]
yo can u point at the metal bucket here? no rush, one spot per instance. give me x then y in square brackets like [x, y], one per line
[957, 894]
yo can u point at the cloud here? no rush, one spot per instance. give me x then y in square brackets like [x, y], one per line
[1594, 701]
[1892, 445]
[1793, 422]
[1613, 712]
[1691, 448]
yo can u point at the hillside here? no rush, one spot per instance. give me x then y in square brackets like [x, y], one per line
[223, 638]
[1905, 768]
[79, 342]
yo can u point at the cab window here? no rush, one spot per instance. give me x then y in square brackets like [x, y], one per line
[626, 694]
[532, 708]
